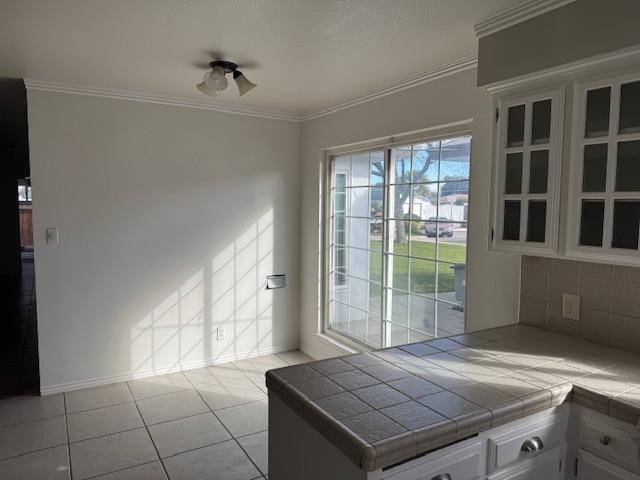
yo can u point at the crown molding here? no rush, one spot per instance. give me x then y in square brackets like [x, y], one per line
[31, 84]
[430, 75]
[517, 14]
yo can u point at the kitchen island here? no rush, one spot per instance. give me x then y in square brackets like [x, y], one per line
[376, 414]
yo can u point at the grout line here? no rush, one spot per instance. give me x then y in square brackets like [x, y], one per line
[208, 445]
[229, 431]
[251, 434]
[66, 429]
[34, 451]
[107, 434]
[120, 470]
[32, 421]
[148, 432]
[133, 399]
[99, 408]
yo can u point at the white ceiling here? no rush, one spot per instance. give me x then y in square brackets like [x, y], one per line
[305, 55]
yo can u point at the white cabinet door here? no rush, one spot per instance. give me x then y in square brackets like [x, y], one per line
[604, 189]
[527, 166]
[591, 467]
[544, 467]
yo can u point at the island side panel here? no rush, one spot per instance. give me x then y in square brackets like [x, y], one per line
[297, 451]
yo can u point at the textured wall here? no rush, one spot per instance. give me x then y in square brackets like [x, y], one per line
[170, 218]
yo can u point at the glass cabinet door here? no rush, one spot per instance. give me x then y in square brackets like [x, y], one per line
[606, 168]
[528, 160]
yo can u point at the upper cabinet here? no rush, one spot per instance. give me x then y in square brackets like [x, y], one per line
[567, 169]
[527, 171]
[604, 200]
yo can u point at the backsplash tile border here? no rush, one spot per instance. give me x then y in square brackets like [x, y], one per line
[609, 299]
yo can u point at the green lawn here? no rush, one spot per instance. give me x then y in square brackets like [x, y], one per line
[421, 273]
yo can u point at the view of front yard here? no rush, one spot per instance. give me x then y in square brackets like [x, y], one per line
[422, 272]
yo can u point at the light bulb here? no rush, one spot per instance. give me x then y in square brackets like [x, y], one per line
[215, 79]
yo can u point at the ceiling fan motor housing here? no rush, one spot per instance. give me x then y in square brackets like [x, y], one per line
[227, 66]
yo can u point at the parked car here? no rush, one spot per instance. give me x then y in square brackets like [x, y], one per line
[438, 226]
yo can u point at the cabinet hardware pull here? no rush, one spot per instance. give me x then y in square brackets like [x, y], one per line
[605, 440]
[532, 445]
[442, 476]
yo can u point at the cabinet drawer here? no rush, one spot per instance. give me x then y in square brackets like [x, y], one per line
[524, 442]
[609, 442]
[545, 466]
[461, 463]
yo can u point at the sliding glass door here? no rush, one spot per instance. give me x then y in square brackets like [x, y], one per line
[397, 242]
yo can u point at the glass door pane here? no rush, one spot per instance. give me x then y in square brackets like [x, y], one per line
[597, 121]
[538, 171]
[592, 223]
[355, 291]
[626, 224]
[422, 321]
[450, 319]
[536, 221]
[513, 174]
[541, 122]
[511, 223]
[628, 167]
[515, 126]
[630, 107]
[422, 276]
[594, 171]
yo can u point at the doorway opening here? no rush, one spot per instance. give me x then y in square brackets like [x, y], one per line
[19, 349]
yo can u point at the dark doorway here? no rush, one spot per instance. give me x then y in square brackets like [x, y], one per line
[18, 323]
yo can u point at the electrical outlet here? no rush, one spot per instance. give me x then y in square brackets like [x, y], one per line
[220, 334]
[571, 306]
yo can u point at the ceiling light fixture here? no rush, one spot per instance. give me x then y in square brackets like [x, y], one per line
[215, 80]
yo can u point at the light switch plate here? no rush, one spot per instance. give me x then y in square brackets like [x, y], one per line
[220, 334]
[52, 236]
[571, 306]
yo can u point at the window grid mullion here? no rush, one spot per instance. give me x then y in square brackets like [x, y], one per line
[614, 109]
[385, 336]
[436, 253]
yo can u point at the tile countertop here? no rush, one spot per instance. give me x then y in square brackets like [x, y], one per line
[387, 406]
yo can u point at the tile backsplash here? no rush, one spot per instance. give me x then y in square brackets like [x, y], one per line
[609, 299]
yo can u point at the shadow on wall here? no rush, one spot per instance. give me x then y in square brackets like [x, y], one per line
[221, 313]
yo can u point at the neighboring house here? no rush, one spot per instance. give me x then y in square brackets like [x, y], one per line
[453, 207]
[422, 207]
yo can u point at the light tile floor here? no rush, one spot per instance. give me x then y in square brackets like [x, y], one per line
[205, 423]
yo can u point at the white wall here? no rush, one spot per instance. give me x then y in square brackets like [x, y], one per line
[169, 220]
[493, 278]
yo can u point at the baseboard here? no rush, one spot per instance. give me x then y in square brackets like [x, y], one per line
[96, 382]
[322, 346]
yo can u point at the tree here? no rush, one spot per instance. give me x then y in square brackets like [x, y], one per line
[422, 161]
